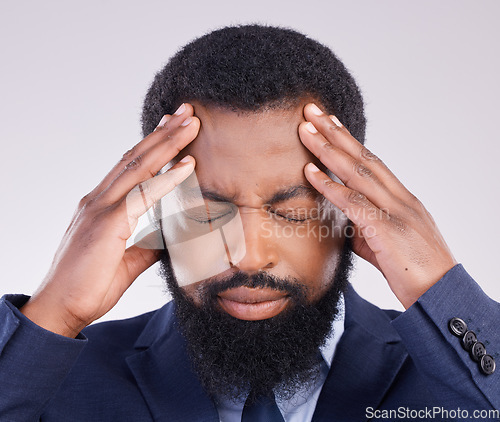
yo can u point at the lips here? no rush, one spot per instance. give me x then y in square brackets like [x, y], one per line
[252, 304]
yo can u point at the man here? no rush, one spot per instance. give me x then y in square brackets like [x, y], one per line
[274, 124]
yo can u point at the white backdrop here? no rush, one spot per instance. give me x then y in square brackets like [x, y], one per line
[74, 74]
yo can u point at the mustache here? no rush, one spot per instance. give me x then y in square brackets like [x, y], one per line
[290, 285]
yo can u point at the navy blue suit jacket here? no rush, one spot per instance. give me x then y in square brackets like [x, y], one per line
[137, 369]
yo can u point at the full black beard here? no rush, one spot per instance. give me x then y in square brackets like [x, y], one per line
[232, 357]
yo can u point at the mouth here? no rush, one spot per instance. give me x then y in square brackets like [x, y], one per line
[253, 304]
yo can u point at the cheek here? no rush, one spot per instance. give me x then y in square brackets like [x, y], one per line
[311, 253]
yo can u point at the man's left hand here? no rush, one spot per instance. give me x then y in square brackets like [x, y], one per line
[393, 230]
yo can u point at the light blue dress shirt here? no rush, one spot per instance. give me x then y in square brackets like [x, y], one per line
[300, 408]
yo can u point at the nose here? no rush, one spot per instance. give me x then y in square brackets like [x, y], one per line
[261, 252]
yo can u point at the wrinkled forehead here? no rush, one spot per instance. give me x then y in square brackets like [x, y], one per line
[249, 156]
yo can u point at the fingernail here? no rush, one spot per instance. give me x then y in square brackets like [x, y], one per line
[336, 121]
[310, 127]
[312, 168]
[180, 110]
[162, 122]
[186, 159]
[187, 121]
[315, 110]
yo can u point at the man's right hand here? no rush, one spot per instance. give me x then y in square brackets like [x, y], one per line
[92, 267]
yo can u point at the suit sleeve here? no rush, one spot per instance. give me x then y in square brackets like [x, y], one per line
[451, 372]
[33, 362]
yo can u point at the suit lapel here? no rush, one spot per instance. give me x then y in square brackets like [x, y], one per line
[367, 359]
[164, 376]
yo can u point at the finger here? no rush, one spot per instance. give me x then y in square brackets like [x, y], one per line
[142, 197]
[350, 171]
[150, 162]
[356, 206]
[164, 120]
[361, 248]
[337, 134]
[137, 260]
[167, 124]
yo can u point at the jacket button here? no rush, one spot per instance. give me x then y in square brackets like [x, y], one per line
[468, 340]
[457, 326]
[487, 364]
[478, 351]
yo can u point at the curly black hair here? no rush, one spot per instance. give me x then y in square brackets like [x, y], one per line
[253, 67]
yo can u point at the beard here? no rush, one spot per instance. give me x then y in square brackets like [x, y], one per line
[233, 357]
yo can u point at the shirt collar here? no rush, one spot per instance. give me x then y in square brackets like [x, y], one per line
[328, 348]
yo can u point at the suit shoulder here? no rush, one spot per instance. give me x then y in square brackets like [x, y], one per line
[370, 317]
[121, 333]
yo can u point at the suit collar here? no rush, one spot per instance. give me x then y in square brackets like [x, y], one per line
[164, 375]
[369, 317]
[367, 359]
[338, 326]
[160, 325]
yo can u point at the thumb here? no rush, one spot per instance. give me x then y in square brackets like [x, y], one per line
[138, 260]
[361, 248]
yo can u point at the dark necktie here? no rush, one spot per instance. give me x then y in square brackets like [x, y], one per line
[262, 409]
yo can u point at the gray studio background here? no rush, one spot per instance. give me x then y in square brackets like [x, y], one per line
[73, 77]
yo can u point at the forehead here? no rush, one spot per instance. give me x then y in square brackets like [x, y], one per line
[249, 156]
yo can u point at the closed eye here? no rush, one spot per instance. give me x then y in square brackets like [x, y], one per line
[291, 218]
[209, 220]
[210, 213]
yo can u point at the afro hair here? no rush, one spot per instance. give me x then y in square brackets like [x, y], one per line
[253, 67]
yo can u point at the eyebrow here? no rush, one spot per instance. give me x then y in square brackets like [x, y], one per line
[297, 191]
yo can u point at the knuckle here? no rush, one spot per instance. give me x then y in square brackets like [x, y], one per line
[361, 170]
[332, 127]
[416, 212]
[329, 183]
[399, 224]
[416, 203]
[167, 138]
[134, 164]
[91, 207]
[356, 198]
[411, 207]
[84, 201]
[88, 203]
[96, 204]
[128, 155]
[327, 146]
[326, 150]
[367, 155]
